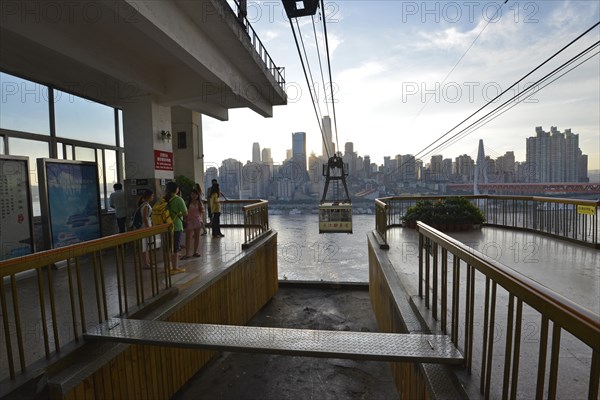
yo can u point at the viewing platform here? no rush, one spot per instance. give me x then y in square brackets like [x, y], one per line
[465, 289]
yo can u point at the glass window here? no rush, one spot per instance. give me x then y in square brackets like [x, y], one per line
[85, 154]
[2, 145]
[102, 178]
[24, 105]
[68, 152]
[59, 151]
[82, 119]
[121, 140]
[33, 149]
[123, 166]
[110, 157]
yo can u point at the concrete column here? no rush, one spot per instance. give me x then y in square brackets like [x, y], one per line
[188, 144]
[149, 159]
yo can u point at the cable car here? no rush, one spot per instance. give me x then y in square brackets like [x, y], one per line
[335, 215]
[295, 8]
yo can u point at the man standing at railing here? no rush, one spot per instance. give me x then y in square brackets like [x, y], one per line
[118, 202]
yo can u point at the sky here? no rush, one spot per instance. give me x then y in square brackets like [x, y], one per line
[405, 73]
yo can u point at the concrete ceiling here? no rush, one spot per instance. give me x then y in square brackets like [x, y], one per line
[189, 53]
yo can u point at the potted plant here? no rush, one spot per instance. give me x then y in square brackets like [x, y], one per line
[448, 214]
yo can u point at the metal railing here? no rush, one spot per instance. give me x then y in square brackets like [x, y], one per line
[577, 220]
[53, 295]
[442, 263]
[381, 221]
[256, 221]
[277, 72]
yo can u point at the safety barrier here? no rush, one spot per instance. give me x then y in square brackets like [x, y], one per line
[442, 262]
[259, 47]
[64, 317]
[571, 219]
[256, 222]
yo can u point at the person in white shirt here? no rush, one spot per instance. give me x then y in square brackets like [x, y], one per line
[118, 202]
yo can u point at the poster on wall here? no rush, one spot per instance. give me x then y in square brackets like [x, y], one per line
[70, 200]
[16, 216]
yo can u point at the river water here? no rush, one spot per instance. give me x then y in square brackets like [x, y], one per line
[306, 255]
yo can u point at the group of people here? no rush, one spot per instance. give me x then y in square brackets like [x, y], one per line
[188, 216]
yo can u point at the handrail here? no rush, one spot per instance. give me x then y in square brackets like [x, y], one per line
[381, 223]
[546, 215]
[256, 221]
[578, 320]
[262, 52]
[92, 295]
[562, 312]
[47, 257]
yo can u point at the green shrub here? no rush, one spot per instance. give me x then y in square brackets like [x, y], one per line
[447, 211]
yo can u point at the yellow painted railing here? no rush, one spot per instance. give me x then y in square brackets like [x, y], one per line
[256, 221]
[35, 311]
[463, 287]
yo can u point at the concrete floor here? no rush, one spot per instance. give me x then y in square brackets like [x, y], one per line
[253, 376]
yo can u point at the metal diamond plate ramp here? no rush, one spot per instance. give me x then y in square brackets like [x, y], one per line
[294, 342]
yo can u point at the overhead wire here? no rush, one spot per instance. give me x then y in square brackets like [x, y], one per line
[308, 84]
[424, 153]
[490, 116]
[311, 87]
[319, 57]
[510, 87]
[461, 58]
[330, 78]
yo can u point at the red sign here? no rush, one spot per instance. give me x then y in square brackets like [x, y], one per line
[163, 160]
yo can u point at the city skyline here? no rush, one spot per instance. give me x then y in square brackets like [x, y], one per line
[400, 85]
[349, 147]
[552, 157]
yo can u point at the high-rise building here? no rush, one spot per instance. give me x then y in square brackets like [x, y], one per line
[553, 156]
[255, 153]
[408, 168]
[230, 175]
[266, 156]
[506, 167]
[328, 146]
[583, 168]
[465, 166]
[299, 150]
[435, 167]
[348, 148]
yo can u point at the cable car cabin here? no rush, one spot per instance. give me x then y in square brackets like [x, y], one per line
[335, 218]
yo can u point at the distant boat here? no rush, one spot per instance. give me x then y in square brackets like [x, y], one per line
[295, 211]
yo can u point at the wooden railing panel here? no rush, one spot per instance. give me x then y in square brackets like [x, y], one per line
[161, 371]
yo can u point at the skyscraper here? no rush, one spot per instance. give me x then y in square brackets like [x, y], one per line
[299, 150]
[266, 156]
[328, 146]
[255, 153]
[553, 156]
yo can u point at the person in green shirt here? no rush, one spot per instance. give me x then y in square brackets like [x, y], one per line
[178, 211]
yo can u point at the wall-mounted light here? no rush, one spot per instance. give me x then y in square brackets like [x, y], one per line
[165, 136]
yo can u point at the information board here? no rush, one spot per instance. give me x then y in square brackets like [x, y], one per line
[16, 217]
[70, 200]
